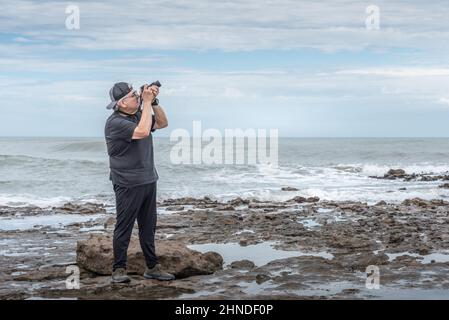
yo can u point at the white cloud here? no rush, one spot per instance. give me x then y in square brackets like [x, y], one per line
[286, 86]
[327, 25]
[444, 101]
[232, 93]
[397, 72]
[52, 65]
[61, 70]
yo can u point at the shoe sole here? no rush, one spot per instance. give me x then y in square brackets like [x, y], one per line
[158, 278]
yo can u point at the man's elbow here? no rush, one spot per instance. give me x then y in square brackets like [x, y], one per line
[144, 132]
[161, 124]
[141, 133]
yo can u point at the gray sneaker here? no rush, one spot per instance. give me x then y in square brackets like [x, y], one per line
[119, 276]
[157, 273]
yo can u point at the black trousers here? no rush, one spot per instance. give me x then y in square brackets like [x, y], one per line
[131, 204]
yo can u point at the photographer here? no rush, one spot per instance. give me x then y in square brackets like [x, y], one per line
[128, 134]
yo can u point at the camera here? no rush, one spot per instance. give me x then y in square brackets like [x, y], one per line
[156, 100]
[155, 83]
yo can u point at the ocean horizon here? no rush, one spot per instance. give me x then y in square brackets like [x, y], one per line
[50, 171]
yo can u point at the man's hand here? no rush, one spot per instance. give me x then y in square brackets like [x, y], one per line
[155, 90]
[143, 127]
[148, 94]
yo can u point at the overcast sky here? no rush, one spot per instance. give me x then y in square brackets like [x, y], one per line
[307, 68]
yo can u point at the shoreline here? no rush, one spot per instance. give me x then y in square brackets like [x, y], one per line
[321, 250]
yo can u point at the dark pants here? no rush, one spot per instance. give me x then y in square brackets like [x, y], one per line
[131, 203]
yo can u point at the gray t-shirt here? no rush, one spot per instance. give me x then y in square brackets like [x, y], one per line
[131, 161]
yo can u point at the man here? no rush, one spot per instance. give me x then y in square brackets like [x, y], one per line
[129, 141]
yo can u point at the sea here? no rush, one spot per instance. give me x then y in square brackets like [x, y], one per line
[49, 172]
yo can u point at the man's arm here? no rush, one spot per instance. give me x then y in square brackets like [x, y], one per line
[161, 118]
[143, 128]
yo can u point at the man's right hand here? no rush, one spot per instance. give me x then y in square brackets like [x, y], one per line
[147, 95]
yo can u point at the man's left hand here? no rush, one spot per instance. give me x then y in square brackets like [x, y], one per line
[155, 90]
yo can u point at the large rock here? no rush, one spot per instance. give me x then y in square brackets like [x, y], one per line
[395, 173]
[86, 208]
[289, 189]
[300, 199]
[418, 202]
[95, 254]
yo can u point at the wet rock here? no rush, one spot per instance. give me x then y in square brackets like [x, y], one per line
[434, 177]
[86, 208]
[356, 207]
[267, 206]
[396, 173]
[225, 208]
[238, 202]
[188, 201]
[396, 238]
[406, 259]
[415, 202]
[289, 189]
[414, 226]
[362, 223]
[377, 259]
[20, 211]
[298, 199]
[270, 216]
[423, 251]
[360, 260]
[313, 199]
[439, 202]
[109, 222]
[393, 174]
[349, 242]
[175, 208]
[400, 174]
[242, 264]
[261, 278]
[95, 254]
[42, 275]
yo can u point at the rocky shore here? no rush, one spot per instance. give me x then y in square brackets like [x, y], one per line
[302, 248]
[400, 174]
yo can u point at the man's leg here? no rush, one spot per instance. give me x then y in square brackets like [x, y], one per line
[146, 219]
[128, 202]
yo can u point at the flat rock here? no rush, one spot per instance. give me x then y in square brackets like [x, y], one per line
[86, 208]
[95, 254]
[242, 264]
[289, 189]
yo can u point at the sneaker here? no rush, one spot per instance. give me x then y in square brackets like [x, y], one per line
[157, 273]
[119, 276]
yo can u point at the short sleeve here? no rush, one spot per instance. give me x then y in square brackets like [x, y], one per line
[121, 129]
[153, 123]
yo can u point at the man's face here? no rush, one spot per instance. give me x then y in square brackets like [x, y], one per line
[130, 102]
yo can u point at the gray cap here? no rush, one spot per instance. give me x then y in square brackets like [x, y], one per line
[118, 91]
